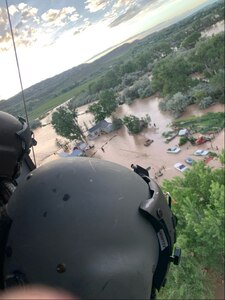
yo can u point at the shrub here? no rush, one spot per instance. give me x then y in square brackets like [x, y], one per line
[183, 140]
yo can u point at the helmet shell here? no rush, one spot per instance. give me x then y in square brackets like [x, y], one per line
[77, 225]
[12, 144]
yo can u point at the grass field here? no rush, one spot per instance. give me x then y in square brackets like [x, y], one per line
[208, 122]
[52, 103]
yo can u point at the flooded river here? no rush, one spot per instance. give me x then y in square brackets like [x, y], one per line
[122, 148]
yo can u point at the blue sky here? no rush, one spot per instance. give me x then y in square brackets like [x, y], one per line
[54, 35]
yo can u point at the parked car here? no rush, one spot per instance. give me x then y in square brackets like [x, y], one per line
[189, 160]
[173, 150]
[201, 152]
[180, 167]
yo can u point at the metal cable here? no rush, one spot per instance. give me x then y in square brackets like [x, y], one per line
[19, 73]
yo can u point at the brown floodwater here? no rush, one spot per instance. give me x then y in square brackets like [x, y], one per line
[125, 149]
[214, 29]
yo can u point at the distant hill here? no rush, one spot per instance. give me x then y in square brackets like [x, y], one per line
[63, 82]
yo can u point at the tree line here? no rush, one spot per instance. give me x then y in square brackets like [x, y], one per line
[198, 202]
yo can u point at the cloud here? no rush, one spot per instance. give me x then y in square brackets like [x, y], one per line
[29, 36]
[51, 15]
[12, 10]
[80, 29]
[123, 3]
[96, 5]
[24, 19]
[121, 11]
[124, 10]
[21, 6]
[59, 17]
[5, 38]
[124, 17]
[29, 26]
[3, 19]
[29, 12]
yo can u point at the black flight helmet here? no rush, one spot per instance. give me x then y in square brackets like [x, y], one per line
[15, 141]
[92, 227]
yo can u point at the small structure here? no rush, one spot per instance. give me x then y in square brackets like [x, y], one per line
[81, 146]
[183, 132]
[99, 128]
[75, 153]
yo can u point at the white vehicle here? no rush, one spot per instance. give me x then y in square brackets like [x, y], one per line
[180, 167]
[173, 150]
[201, 152]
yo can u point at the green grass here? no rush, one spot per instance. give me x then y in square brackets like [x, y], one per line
[52, 103]
[208, 122]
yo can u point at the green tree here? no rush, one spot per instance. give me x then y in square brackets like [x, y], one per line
[203, 58]
[97, 110]
[217, 83]
[135, 124]
[183, 140]
[171, 75]
[198, 199]
[110, 80]
[65, 123]
[128, 67]
[222, 157]
[95, 87]
[106, 105]
[175, 104]
[140, 89]
[191, 40]
[161, 49]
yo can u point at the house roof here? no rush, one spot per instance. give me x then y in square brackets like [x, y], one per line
[76, 152]
[81, 145]
[99, 125]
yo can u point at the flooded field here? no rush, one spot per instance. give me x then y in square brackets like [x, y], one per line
[122, 148]
[214, 29]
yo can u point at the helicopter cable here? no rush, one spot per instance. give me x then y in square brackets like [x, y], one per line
[19, 73]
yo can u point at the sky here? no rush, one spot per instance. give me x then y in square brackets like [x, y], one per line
[52, 36]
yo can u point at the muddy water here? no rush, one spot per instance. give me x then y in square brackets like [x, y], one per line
[125, 149]
[214, 29]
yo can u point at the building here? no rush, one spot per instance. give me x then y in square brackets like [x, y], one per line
[99, 128]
